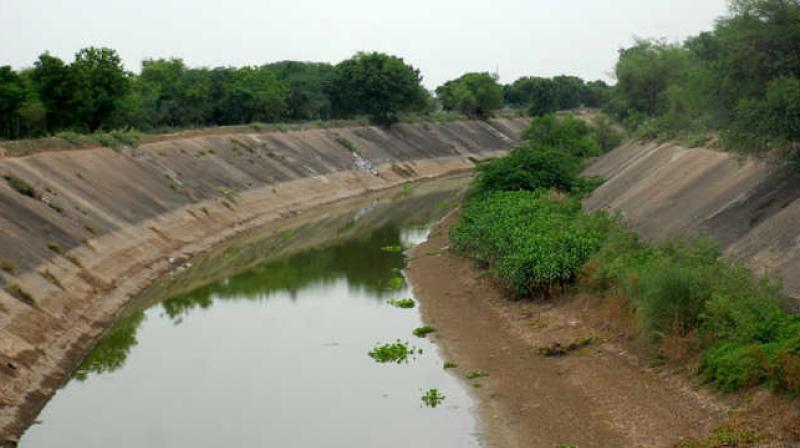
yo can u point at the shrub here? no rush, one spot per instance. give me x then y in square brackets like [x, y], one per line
[568, 133]
[605, 134]
[529, 167]
[534, 241]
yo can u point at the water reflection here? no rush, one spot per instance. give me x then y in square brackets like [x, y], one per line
[273, 349]
[355, 255]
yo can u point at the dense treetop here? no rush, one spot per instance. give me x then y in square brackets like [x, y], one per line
[95, 93]
[741, 79]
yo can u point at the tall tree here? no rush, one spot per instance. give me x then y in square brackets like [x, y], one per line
[55, 85]
[375, 84]
[100, 82]
[474, 94]
[12, 95]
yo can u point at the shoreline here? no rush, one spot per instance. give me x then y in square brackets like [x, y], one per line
[603, 395]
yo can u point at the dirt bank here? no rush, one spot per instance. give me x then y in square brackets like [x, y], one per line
[603, 395]
[89, 229]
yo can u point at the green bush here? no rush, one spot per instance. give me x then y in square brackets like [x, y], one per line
[685, 287]
[529, 167]
[534, 241]
[605, 134]
[568, 134]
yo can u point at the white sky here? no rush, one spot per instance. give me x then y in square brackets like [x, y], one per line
[443, 38]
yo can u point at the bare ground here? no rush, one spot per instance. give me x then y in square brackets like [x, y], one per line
[603, 395]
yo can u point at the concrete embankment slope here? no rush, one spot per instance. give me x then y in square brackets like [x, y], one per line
[99, 226]
[752, 209]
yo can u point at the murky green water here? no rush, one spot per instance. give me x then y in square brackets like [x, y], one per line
[276, 355]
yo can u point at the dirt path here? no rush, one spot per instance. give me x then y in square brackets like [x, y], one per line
[598, 396]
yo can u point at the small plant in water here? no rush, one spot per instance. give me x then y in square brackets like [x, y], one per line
[397, 248]
[403, 303]
[433, 398]
[398, 352]
[450, 365]
[423, 331]
[397, 282]
[473, 374]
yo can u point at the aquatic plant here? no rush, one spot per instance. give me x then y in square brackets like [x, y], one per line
[433, 398]
[397, 352]
[402, 303]
[423, 331]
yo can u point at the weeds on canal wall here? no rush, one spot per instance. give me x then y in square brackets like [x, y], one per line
[524, 225]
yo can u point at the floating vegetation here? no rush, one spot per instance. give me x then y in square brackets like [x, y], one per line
[397, 248]
[433, 398]
[474, 374]
[449, 365]
[397, 282]
[402, 303]
[423, 331]
[397, 352]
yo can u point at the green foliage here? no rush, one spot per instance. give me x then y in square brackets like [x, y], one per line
[398, 352]
[449, 365]
[406, 303]
[542, 96]
[534, 241]
[685, 287]
[605, 133]
[376, 84]
[12, 96]
[568, 134]
[419, 332]
[307, 99]
[100, 81]
[473, 94]
[433, 398]
[529, 167]
[740, 79]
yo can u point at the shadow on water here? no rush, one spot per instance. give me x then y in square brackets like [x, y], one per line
[345, 245]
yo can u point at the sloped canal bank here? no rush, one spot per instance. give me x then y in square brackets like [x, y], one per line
[274, 352]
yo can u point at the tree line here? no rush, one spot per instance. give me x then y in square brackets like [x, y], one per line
[741, 80]
[95, 93]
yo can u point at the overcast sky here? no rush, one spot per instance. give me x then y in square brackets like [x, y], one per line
[443, 38]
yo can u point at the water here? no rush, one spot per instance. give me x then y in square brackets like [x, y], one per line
[274, 356]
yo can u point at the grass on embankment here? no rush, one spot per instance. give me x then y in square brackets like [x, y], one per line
[523, 222]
